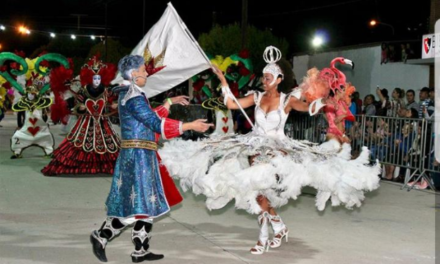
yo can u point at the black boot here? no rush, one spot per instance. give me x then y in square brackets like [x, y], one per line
[141, 237]
[99, 238]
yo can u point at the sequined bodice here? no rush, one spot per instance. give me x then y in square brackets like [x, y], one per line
[271, 123]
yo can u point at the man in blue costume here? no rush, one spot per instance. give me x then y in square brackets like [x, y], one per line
[140, 192]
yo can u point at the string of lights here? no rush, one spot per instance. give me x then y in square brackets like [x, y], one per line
[26, 31]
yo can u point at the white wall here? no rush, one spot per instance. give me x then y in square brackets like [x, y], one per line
[368, 72]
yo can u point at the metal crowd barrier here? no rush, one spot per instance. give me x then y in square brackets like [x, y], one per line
[394, 142]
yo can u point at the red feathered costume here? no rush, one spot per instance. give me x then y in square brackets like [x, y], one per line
[92, 145]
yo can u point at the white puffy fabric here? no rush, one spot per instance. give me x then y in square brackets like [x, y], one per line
[35, 132]
[219, 167]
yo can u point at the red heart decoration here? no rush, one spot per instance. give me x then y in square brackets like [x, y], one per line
[95, 108]
[33, 121]
[225, 119]
[225, 129]
[33, 130]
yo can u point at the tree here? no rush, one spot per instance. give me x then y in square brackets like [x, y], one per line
[226, 41]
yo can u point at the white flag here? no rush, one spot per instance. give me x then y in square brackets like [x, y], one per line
[170, 48]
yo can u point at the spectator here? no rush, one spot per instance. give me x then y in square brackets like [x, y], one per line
[369, 107]
[402, 144]
[414, 154]
[404, 54]
[396, 102]
[380, 139]
[353, 109]
[391, 106]
[409, 51]
[358, 103]
[384, 102]
[355, 134]
[424, 102]
[391, 53]
[428, 112]
[410, 100]
[369, 131]
[384, 53]
[408, 113]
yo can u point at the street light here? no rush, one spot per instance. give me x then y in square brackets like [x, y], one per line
[24, 30]
[52, 35]
[2, 27]
[317, 41]
[374, 23]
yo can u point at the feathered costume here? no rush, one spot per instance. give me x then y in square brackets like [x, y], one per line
[92, 145]
[318, 84]
[219, 167]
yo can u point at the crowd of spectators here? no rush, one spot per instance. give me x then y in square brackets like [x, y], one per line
[393, 130]
[396, 52]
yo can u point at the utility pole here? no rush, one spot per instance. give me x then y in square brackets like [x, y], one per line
[143, 18]
[214, 19]
[78, 19]
[244, 19]
[106, 25]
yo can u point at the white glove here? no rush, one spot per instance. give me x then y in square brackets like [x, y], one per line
[318, 105]
[226, 93]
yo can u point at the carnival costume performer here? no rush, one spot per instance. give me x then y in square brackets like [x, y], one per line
[141, 189]
[35, 131]
[337, 110]
[3, 92]
[263, 169]
[223, 117]
[92, 146]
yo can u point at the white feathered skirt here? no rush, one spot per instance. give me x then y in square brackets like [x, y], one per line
[219, 168]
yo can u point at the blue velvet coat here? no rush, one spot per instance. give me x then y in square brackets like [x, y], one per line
[137, 187]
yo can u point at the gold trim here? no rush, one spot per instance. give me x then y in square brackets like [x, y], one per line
[136, 143]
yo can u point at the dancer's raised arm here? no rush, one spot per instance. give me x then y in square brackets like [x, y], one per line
[227, 94]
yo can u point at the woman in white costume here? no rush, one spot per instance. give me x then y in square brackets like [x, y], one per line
[264, 168]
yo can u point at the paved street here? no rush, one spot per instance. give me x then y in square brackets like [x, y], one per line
[48, 220]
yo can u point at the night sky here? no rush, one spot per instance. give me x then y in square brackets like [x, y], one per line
[344, 22]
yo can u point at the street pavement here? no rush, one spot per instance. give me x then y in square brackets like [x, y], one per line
[48, 220]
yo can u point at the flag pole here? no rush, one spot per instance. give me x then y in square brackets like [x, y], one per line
[206, 57]
[242, 110]
[236, 101]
